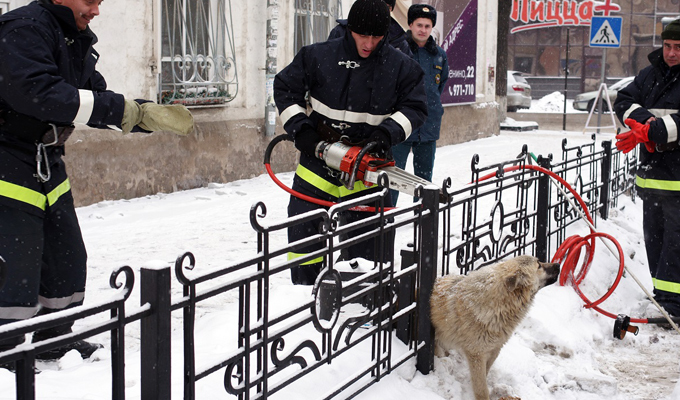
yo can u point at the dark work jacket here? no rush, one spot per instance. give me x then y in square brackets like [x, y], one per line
[395, 35]
[47, 75]
[354, 95]
[432, 59]
[45, 60]
[655, 92]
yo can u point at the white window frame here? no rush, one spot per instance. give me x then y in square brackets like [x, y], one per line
[314, 20]
[198, 62]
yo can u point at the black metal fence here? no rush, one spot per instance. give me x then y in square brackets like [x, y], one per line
[280, 338]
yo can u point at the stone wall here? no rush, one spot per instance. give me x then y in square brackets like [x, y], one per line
[469, 122]
[105, 165]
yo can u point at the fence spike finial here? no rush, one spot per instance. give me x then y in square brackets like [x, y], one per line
[180, 267]
[127, 285]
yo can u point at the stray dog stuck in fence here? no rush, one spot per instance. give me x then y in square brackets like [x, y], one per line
[477, 313]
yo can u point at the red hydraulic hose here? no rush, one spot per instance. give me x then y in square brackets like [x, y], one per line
[324, 203]
[567, 254]
[570, 250]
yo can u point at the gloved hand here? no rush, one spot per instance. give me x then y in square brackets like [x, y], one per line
[306, 141]
[174, 118]
[383, 143]
[638, 133]
[132, 115]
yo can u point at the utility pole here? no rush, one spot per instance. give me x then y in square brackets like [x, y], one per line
[566, 83]
[270, 68]
[504, 8]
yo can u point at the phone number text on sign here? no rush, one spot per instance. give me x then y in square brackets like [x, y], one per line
[463, 82]
[460, 44]
[462, 90]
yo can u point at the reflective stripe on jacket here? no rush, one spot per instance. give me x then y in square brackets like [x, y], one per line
[356, 96]
[48, 69]
[19, 188]
[48, 76]
[655, 92]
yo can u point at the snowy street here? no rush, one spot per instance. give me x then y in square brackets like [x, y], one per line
[560, 351]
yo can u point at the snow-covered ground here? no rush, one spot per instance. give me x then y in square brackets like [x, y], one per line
[561, 351]
[551, 103]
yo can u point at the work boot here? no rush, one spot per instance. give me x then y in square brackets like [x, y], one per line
[9, 344]
[12, 367]
[86, 349]
[83, 347]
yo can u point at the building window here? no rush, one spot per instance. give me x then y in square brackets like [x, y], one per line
[524, 64]
[4, 7]
[314, 20]
[198, 65]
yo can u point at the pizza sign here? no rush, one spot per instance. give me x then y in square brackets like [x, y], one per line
[536, 14]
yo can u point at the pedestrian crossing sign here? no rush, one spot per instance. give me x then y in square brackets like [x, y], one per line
[605, 32]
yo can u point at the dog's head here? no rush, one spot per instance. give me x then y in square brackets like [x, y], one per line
[529, 272]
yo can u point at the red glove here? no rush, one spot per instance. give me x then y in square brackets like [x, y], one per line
[638, 133]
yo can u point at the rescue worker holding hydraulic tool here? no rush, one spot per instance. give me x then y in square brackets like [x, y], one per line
[650, 106]
[360, 88]
[48, 82]
[396, 36]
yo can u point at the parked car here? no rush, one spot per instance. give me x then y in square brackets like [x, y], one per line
[584, 101]
[519, 91]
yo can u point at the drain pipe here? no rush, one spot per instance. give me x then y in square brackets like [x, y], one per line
[270, 68]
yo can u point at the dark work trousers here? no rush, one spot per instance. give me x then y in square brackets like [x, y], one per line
[46, 263]
[368, 249]
[423, 160]
[661, 226]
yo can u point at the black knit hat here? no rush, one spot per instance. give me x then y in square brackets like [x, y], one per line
[671, 31]
[391, 3]
[369, 17]
[422, 11]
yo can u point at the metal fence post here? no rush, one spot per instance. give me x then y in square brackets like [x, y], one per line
[405, 326]
[606, 178]
[542, 211]
[155, 333]
[428, 274]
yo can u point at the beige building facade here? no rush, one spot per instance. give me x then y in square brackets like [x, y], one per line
[218, 58]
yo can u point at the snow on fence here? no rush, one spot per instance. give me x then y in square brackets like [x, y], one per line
[248, 333]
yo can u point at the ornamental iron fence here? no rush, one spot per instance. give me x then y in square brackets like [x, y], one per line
[274, 340]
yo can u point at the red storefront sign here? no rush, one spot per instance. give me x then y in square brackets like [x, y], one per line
[537, 14]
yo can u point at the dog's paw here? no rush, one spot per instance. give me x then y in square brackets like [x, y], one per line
[502, 392]
[446, 364]
[547, 348]
[439, 351]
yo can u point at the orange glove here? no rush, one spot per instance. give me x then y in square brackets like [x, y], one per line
[638, 133]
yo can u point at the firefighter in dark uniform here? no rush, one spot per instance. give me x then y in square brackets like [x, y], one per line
[396, 36]
[650, 106]
[48, 82]
[363, 88]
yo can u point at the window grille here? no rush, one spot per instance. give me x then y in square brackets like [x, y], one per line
[314, 20]
[198, 62]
